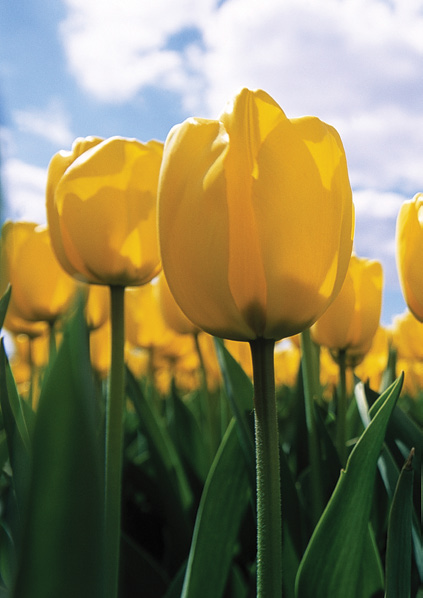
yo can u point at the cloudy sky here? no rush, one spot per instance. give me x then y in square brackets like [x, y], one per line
[71, 68]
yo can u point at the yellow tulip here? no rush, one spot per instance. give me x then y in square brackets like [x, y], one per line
[15, 324]
[97, 306]
[287, 363]
[352, 320]
[376, 359]
[100, 349]
[407, 336]
[255, 219]
[41, 289]
[409, 253]
[144, 323]
[172, 313]
[101, 210]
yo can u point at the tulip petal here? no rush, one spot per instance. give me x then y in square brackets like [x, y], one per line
[305, 264]
[409, 253]
[57, 167]
[106, 204]
[194, 227]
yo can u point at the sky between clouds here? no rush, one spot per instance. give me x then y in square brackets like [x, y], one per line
[135, 68]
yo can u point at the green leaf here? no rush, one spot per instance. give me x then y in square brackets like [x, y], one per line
[398, 552]
[62, 545]
[139, 573]
[18, 423]
[402, 430]
[239, 391]
[175, 492]
[332, 563]
[4, 304]
[7, 556]
[222, 506]
[370, 580]
[187, 435]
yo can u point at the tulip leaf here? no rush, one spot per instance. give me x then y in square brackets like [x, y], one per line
[222, 506]
[333, 561]
[138, 570]
[4, 304]
[239, 390]
[62, 541]
[187, 435]
[402, 430]
[175, 588]
[18, 422]
[175, 491]
[398, 552]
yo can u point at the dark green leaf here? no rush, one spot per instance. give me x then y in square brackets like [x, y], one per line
[4, 304]
[62, 544]
[139, 573]
[17, 427]
[240, 392]
[398, 552]
[188, 436]
[219, 516]
[175, 492]
[332, 562]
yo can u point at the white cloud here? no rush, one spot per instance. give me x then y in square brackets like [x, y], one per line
[24, 189]
[52, 123]
[357, 64]
[375, 204]
[116, 47]
[376, 216]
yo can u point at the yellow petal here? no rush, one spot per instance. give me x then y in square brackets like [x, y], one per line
[106, 205]
[409, 253]
[194, 226]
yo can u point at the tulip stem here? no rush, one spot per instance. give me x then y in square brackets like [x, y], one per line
[310, 373]
[341, 412]
[269, 520]
[114, 444]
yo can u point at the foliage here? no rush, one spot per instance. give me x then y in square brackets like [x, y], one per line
[188, 490]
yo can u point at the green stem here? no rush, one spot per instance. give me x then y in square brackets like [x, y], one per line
[341, 412]
[269, 522]
[311, 384]
[114, 444]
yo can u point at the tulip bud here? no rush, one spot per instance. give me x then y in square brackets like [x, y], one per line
[255, 219]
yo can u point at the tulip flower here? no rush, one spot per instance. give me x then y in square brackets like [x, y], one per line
[41, 289]
[409, 253]
[348, 326]
[255, 219]
[256, 225]
[97, 306]
[15, 324]
[407, 336]
[351, 321]
[101, 210]
[171, 312]
[145, 326]
[376, 359]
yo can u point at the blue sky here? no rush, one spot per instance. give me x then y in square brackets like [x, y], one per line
[71, 68]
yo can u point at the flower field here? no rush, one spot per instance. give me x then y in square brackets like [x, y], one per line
[197, 396]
